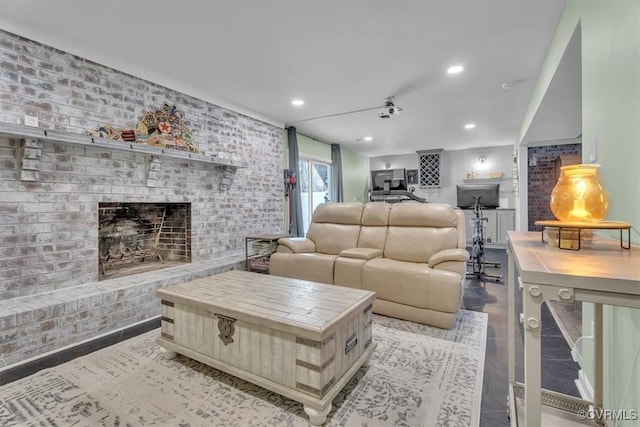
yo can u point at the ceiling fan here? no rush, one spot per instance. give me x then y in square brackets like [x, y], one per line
[387, 110]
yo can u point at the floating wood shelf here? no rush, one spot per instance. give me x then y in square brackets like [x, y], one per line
[27, 132]
[481, 180]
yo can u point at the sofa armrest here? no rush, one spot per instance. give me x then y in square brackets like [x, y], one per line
[361, 253]
[457, 254]
[298, 244]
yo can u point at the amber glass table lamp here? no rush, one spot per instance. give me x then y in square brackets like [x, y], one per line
[579, 202]
[579, 195]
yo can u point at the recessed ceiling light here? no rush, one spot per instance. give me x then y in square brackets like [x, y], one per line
[368, 138]
[511, 84]
[470, 126]
[297, 102]
[455, 69]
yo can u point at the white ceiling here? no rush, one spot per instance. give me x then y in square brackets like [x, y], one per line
[256, 56]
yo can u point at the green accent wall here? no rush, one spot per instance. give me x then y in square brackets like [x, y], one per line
[355, 168]
[315, 149]
[355, 176]
[610, 37]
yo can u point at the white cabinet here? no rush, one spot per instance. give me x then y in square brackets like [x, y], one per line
[490, 226]
[506, 221]
[496, 225]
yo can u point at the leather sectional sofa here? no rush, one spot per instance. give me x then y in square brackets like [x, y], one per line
[411, 254]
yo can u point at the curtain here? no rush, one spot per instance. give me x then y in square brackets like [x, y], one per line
[336, 174]
[296, 226]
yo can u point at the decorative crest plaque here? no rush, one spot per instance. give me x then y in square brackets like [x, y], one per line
[226, 328]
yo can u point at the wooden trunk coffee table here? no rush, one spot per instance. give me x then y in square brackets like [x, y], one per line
[303, 340]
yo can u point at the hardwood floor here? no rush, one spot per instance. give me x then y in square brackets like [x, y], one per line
[558, 368]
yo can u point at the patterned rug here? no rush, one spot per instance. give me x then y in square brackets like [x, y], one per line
[419, 376]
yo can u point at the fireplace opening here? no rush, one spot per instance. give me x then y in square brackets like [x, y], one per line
[140, 237]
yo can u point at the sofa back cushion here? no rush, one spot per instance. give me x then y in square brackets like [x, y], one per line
[375, 219]
[335, 227]
[418, 230]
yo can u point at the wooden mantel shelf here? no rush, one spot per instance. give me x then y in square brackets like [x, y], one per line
[27, 132]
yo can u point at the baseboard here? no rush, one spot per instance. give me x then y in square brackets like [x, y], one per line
[584, 386]
[68, 353]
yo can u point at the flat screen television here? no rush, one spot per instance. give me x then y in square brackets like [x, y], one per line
[389, 179]
[488, 195]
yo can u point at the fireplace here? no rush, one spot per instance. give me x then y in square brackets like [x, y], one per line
[140, 237]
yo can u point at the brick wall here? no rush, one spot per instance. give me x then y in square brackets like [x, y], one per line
[542, 179]
[48, 228]
[49, 234]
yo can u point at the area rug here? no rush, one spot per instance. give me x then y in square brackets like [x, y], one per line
[419, 376]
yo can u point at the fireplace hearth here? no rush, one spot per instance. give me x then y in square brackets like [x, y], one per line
[140, 237]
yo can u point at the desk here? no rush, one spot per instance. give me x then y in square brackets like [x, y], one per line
[601, 274]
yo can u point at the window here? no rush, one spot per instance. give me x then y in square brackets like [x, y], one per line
[430, 168]
[315, 187]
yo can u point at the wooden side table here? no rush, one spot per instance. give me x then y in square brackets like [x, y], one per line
[258, 249]
[601, 274]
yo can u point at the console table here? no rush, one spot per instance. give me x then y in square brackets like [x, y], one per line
[601, 274]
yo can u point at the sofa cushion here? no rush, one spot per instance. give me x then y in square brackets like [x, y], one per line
[338, 213]
[423, 215]
[418, 244]
[376, 214]
[418, 230]
[375, 218]
[412, 284]
[335, 227]
[333, 238]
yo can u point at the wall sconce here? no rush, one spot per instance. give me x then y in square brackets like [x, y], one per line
[579, 195]
[482, 159]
